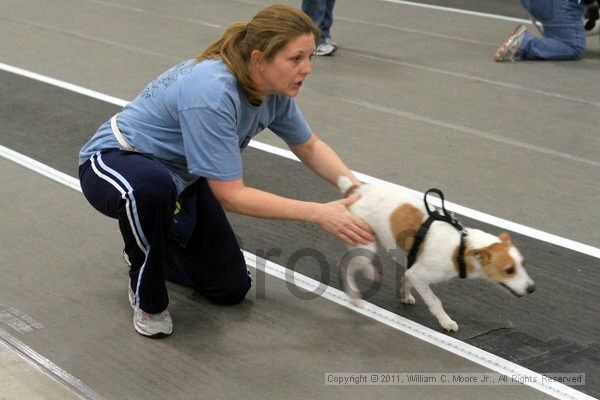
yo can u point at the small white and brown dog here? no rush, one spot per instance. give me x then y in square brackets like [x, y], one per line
[395, 216]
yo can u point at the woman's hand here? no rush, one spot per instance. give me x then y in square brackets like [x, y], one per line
[335, 218]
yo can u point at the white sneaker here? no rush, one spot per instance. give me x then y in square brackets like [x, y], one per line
[508, 49]
[150, 325]
[327, 48]
[331, 42]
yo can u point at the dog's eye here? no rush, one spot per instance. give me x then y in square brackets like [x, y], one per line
[510, 270]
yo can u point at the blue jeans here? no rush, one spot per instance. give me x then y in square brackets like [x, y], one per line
[564, 36]
[321, 12]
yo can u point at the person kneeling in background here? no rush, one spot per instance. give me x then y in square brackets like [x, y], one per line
[563, 30]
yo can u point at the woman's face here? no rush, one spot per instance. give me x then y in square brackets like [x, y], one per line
[288, 69]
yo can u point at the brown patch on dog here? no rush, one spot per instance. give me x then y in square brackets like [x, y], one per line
[351, 190]
[405, 221]
[496, 260]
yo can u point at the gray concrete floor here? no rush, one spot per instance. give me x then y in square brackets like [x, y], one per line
[267, 347]
[21, 380]
[412, 96]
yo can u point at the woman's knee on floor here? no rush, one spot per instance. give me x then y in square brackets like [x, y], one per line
[231, 292]
[578, 52]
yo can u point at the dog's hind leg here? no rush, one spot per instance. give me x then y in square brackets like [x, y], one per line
[405, 296]
[358, 259]
[433, 302]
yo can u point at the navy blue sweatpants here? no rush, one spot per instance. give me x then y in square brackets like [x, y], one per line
[139, 192]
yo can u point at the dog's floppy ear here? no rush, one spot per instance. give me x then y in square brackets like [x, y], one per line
[483, 255]
[505, 237]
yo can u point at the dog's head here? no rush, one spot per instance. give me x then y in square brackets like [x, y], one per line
[503, 264]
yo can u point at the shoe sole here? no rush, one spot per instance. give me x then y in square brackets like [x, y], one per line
[159, 335]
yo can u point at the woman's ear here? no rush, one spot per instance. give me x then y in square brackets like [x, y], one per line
[256, 60]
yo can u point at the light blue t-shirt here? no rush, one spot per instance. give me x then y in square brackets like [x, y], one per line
[195, 120]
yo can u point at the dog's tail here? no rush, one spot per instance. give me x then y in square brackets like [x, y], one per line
[344, 184]
[348, 272]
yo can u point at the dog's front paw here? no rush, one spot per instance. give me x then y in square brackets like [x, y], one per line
[449, 325]
[408, 299]
[356, 302]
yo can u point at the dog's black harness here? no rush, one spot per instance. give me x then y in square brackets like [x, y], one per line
[435, 215]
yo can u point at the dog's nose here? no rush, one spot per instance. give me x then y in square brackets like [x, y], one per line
[530, 289]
